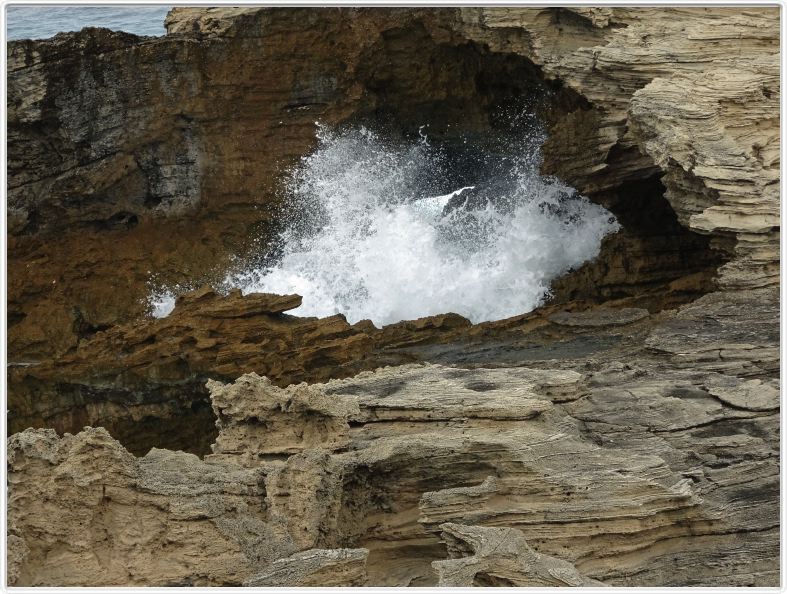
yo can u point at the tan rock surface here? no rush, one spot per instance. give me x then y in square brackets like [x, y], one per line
[159, 182]
[103, 517]
[500, 557]
[628, 474]
[322, 568]
[633, 444]
[154, 371]
[145, 381]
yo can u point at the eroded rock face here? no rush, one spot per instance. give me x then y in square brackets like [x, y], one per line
[500, 557]
[322, 568]
[145, 381]
[178, 173]
[110, 518]
[571, 471]
[632, 444]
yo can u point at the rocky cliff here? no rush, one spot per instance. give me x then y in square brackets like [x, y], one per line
[624, 434]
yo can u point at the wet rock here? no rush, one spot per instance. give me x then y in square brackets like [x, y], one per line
[145, 381]
[97, 203]
[599, 317]
[157, 368]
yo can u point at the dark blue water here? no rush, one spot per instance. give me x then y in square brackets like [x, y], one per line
[40, 22]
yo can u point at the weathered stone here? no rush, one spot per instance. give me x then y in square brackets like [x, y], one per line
[632, 444]
[599, 317]
[132, 191]
[751, 395]
[500, 557]
[132, 378]
[640, 466]
[103, 517]
[256, 418]
[322, 568]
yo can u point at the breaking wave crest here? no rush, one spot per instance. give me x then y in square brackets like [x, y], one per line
[391, 230]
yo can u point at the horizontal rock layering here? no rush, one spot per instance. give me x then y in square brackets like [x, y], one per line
[664, 472]
[630, 444]
[179, 167]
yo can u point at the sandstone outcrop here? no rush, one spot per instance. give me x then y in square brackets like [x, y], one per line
[500, 557]
[145, 381]
[184, 522]
[572, 470]
[625, 434]
[159, 188]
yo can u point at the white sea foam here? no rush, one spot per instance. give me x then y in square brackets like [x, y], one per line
[161, 302]
[372, 232]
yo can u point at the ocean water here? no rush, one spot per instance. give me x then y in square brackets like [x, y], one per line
[40, 22]
[392, 230]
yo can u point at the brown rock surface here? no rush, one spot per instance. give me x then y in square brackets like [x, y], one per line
[178, 171]
[146, 379]
[624, 473]
[632, 444]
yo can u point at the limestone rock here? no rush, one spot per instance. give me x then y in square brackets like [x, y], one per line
[322, 568]
[632, 444]
[206, 21]
[748, 394]
[157, 368]
[88, 512]
[500, 557]
[154, 371]
[103, 193]
[595, 483]
[257, 418]
[721, 159]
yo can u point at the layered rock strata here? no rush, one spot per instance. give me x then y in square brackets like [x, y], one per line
[131, 157]
[630, 444]
[145, 381]
[572, 471]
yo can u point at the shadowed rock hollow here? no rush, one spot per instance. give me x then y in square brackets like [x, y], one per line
[626, 433]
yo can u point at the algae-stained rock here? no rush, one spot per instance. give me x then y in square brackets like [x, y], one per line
[158, 182]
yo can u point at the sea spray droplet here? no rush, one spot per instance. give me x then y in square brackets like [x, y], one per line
[161, 303]
[391, 230]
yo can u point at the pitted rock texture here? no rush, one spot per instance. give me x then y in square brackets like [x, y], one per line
[625, 434]
[157, 160]
[108, 518]
[145, 381]
[692, 90]
[322, 568]
[500, 557]
[657, 468]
